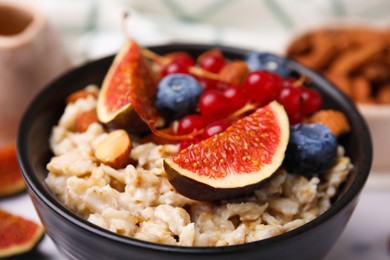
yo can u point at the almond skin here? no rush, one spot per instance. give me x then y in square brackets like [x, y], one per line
[114, 150]
[84, 119]
[83, 93]
[234, 72]
[336, 121]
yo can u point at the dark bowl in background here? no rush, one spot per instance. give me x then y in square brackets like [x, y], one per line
[76, 238]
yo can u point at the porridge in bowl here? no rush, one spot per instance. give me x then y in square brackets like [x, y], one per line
[138, 198]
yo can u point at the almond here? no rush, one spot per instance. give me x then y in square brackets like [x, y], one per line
[355, 58]
[234, 72]
[361, 89]
[84, 119]
[83, 93]
[336, 121]
[114, 149]
[342, 82]
[384, 94]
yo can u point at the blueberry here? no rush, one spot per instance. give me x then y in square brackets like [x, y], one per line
[177, 95]
[267, 61]
[311, 150]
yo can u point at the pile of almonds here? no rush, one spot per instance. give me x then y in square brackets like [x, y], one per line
[357, 60]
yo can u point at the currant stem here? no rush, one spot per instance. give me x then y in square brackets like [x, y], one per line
[246, 108]
[203, 73]
[299, 82]
[161, 60]
[124, 28]
[152, 126]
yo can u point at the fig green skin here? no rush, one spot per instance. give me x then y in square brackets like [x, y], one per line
[139, 109]
[200, 191]
[131, 122]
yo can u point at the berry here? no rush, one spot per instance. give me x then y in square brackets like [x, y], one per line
[177, 95]
[173, 68]
[213, 105]
[290, 98]
[208, 83]
[262, 86]
[180, 63]
[267, 61]
[215, 128]
[183, 58]
[296, 118]
[189, 124]
[311, 150]
[212, 62]
[235, 96]
[311, 100]
[288, 82]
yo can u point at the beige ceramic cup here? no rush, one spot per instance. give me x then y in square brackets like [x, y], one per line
[30, 56]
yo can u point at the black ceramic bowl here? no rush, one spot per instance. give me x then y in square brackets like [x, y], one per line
[78, 239]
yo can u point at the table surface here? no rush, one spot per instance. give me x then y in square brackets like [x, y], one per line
[367, 235]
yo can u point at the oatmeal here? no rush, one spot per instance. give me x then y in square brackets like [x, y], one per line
[138, 201]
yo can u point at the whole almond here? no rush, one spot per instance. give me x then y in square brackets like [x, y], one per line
[335, 120]
[114, 149]
[234, 72]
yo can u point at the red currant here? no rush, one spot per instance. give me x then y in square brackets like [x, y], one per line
[173, 67]
[290, 98]
[262, 86]
[215, 128]
[236, 97]
[288, 82]
[208, 83]
[213, 105]
[189, 124]
[183, 58]
[296, 118]
[311, 100]
[212, 62]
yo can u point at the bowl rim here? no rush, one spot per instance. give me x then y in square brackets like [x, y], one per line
[59, 208]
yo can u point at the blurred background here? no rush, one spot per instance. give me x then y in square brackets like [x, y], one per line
[90, 29]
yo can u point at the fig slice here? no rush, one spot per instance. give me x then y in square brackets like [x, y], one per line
[11, 180]
[18, 235]
[235, 162]
[126, 98]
